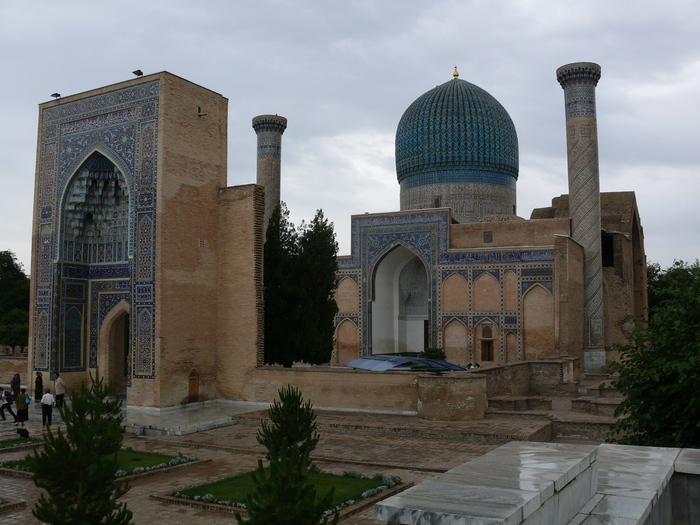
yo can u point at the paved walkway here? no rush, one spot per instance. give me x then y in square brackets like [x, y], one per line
[403, 445]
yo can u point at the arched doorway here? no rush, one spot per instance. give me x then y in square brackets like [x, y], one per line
[400, 321]
[115, 349]
[193, 387]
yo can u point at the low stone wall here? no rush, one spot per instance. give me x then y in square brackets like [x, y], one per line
[9, 364]
[395, 392]
[14, 350]
[457, 396]
[550, 377]
[507, 380]
[454, 396]
[554, 377]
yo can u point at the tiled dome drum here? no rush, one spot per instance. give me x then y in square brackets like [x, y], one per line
[456, 147]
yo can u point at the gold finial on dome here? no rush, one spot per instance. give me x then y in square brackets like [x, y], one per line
[456, 73]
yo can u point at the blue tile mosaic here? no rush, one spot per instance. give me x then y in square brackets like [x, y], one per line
[121, 127]
[455, 126]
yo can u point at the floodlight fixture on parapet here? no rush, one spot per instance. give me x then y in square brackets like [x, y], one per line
[56, 95]
[138, 73]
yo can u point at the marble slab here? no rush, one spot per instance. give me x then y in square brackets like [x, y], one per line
[688, 461]
[505, 486]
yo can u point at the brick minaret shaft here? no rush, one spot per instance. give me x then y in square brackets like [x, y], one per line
[269, 129]
[579, 81]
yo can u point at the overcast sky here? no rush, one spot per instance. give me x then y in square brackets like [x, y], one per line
[343, 72]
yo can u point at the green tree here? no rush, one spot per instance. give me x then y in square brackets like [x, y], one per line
[659, 368]
[284, 494]
[280, 270]
[78, 469]
[318, 252]
[433, 353]
[661, 283]
[299, 280]
[14, 301]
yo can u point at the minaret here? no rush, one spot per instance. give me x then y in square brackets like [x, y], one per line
[579, 81]
[269, 129]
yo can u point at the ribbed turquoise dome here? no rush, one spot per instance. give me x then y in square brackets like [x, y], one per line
[456, 132]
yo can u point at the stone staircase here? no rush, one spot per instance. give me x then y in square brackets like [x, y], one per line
[596, 395]
[585, 417]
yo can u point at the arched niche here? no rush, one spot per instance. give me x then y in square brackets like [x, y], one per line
[347, 296]
[455, 342]
[538, 323]
[486, 294]
[455, 294]
[346, 343]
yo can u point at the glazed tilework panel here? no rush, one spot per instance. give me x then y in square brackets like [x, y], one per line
[459, 176]
[425, 233]
[376, 235]
[121, 125]
[469, 201]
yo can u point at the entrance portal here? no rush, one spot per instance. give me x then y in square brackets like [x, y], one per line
[400, 306]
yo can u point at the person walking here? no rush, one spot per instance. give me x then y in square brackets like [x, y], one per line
[47, 403]
[6, 398]
[38, 387]
[23, 401]
[60, 388]
[15, 385]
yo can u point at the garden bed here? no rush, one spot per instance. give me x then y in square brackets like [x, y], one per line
[354, 492]
[133, 464]
[15, 444]
[10, 504]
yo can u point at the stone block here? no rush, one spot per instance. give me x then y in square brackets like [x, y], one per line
[454, 397]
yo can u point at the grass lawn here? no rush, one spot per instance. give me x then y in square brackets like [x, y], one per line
[236, 488]
[128, 460]
[18, 441]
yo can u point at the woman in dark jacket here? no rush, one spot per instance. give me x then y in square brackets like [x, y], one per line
[15, 385]
[38, 386]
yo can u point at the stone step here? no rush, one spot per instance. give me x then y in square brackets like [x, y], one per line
[493, 430]
[597, 377]
[520, 403]
[602, 389]
[596, 405]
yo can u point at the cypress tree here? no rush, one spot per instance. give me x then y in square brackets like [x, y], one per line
[299, 281]
[318, 251]
[280, 257]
